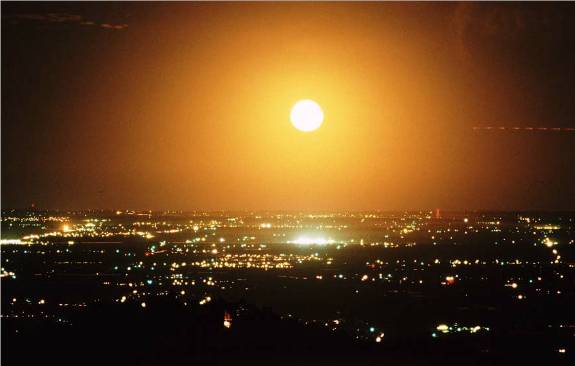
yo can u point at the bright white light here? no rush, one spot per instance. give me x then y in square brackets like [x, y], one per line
[306, 115]
[11, 241]
[304, 240]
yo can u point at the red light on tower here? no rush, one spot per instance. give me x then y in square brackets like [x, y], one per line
[227, 320]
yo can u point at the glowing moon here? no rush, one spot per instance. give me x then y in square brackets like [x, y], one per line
[306, 115]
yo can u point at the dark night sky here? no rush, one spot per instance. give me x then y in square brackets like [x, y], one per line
[185, 105]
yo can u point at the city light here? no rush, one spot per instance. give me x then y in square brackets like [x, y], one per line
[305, 240]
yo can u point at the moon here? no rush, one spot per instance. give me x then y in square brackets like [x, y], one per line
[306, 115]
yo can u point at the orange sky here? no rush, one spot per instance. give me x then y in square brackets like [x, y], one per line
[188, 108]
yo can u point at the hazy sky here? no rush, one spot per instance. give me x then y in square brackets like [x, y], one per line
[186, 105]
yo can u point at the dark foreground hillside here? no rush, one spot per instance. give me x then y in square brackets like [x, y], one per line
[166, 332]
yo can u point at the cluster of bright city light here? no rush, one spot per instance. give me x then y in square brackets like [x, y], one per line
[456, 328]
[307, 240]
[179, 255]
